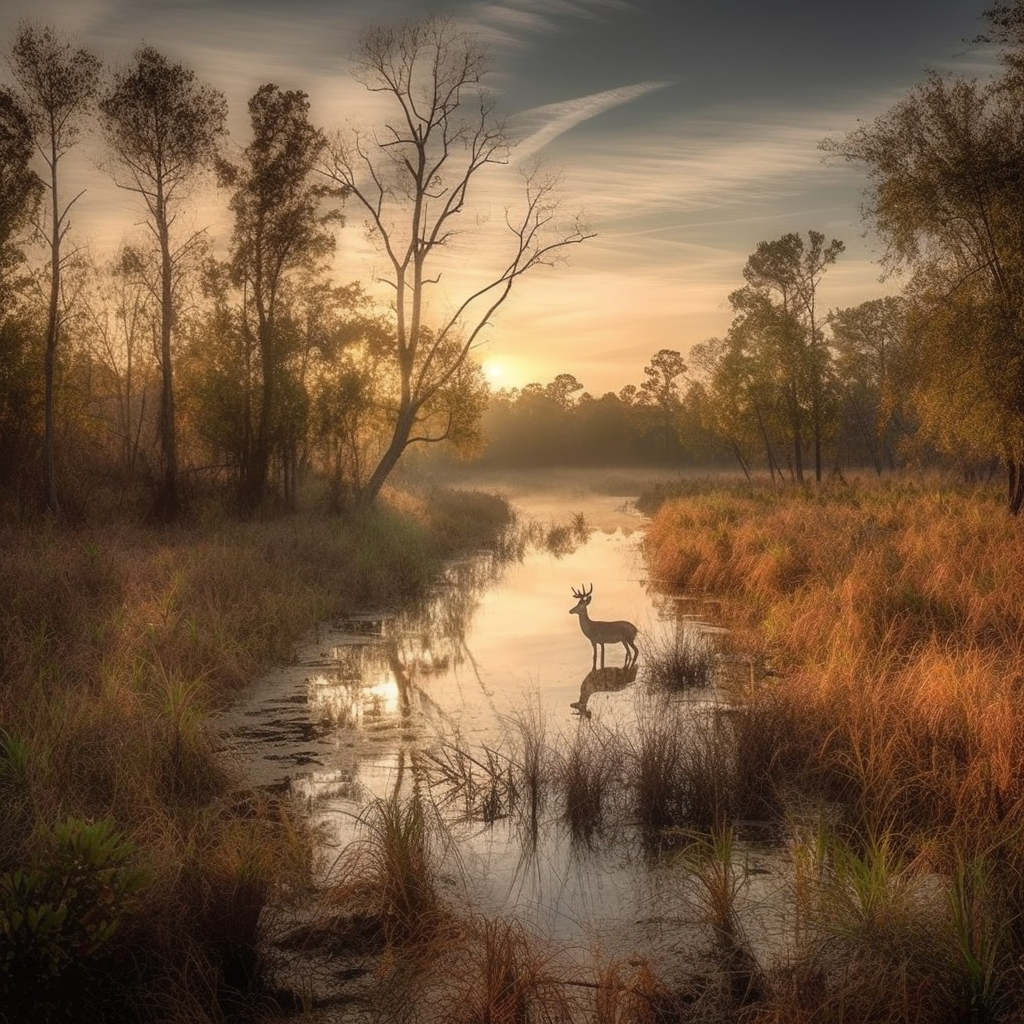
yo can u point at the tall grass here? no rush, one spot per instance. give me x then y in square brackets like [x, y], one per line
[892, 619]
[115, 642]
[389, 873]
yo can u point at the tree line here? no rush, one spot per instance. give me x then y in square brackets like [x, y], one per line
[933, 372]
[169, 362]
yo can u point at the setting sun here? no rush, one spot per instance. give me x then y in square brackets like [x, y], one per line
[494, 372]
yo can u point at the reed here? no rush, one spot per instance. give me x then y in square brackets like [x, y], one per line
[587, 768]
[685, 661]
[389, 872]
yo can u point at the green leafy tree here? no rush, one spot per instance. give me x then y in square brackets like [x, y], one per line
[661, 389]
[280, 231]
[871, 362]
[20, 189]
[736, 399]
[786, 274]
[946, 171]
[415, 179]
[163, 127]
[56, 87]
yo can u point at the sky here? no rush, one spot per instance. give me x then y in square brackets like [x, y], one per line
[684, 131]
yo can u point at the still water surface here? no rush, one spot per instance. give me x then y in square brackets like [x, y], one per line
[340, 726]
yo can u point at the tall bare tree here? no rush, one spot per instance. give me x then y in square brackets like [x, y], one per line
[414, 178]
[163, 126]
[280, 230]
[57, 84]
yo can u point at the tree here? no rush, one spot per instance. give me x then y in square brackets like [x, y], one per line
[122, 327]
[414, 180]
[789, 272]
[163, 127]
[279, 230]
[871, 361]
[946, 172]
[20, 187]
[57, 84]
[661, 389]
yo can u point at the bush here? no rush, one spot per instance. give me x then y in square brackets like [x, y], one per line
[58, 917]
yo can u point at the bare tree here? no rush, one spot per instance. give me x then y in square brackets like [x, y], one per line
[163, 127]
[57, 84]
[413, 178]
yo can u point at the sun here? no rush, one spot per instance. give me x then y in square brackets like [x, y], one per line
[494, 372]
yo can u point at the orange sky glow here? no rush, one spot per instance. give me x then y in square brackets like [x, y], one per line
[684, 133]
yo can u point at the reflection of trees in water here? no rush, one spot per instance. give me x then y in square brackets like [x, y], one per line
[376, 685]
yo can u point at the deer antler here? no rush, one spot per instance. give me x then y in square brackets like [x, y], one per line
[587, 593]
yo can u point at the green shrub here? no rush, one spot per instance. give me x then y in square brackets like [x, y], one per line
[58, 917]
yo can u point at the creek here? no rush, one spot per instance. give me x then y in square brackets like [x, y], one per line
[492, 647]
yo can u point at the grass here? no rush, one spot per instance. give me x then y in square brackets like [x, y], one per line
[683, 662]
[892, 619]
[389, 874]
[115, 643]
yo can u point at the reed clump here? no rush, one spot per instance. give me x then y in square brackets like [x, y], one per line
[389, 873]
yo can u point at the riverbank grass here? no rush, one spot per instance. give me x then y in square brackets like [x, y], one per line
[115, 644]
[892, 618]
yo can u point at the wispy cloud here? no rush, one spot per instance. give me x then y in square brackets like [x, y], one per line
[514, 23]
[547, 122]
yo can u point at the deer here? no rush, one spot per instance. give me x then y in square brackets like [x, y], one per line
[602, 633]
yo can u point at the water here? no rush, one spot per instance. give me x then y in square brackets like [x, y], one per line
[495, 643]
[366, 691]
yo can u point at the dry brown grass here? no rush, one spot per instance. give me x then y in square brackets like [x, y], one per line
[894, 618]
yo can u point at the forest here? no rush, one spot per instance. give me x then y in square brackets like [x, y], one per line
[247, 365]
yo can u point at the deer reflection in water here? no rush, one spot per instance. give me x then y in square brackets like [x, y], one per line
[603, 680]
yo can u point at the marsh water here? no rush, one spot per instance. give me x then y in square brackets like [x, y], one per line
[492, 647]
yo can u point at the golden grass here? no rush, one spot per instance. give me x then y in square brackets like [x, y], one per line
[893, 618]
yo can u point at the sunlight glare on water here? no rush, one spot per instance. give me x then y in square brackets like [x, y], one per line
[343, 725]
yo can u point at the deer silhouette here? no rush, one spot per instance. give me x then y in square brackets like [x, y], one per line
[601, 633]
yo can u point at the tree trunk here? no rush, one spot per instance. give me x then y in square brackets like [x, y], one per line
[1015, 476]
[370, 491]
[168, 501]
[50, 497]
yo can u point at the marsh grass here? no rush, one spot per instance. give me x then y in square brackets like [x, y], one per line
[389, 873]
[717, 877]
[588, 767]
[685, 661]
[891, 615]
[478, 784]
[504, 981]
[115, 643]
